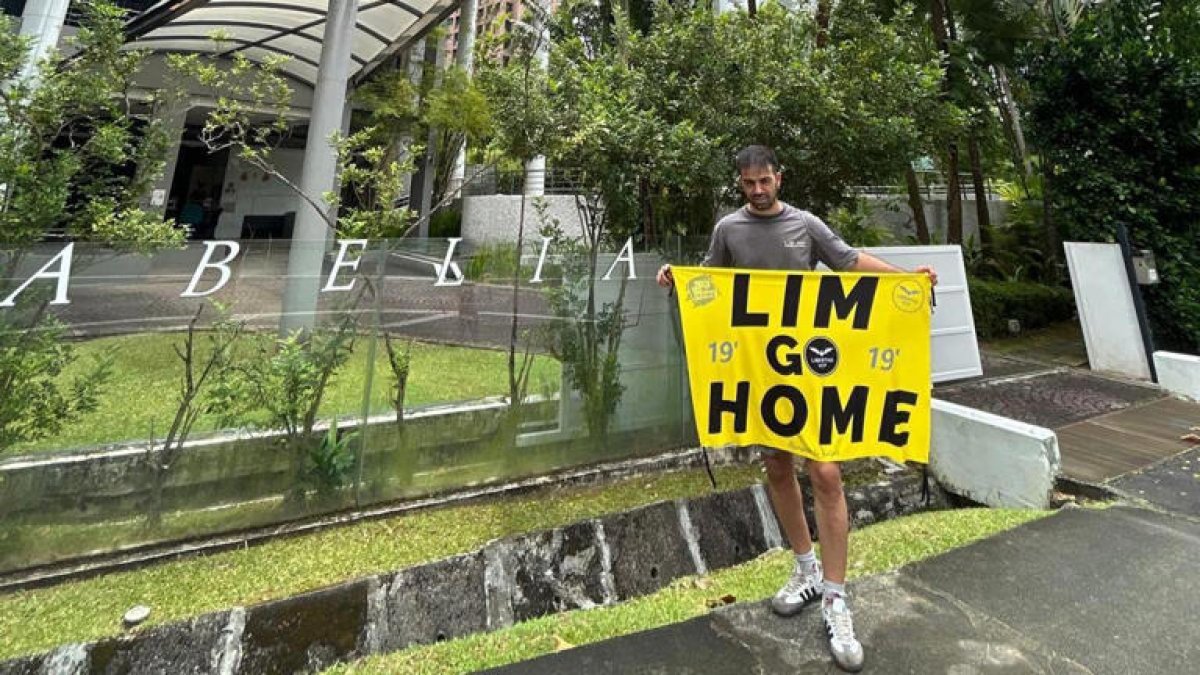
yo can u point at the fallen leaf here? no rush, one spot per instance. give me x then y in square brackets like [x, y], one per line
[728, 599]
[561, 644]
[1191, 438]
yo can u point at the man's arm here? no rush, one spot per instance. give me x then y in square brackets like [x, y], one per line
[869, 263]
[717, 256]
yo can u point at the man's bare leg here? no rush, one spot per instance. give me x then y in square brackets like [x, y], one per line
[805, 583]
[833, 527]
[787, 499]
[833, 521]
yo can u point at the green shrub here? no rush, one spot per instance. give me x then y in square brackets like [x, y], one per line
[1113, 111]
[446, 223]
[492, 262]
[993, 303]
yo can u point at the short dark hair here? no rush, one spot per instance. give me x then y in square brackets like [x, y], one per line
[755, 157]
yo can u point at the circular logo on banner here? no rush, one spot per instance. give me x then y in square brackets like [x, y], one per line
[821, 355]
[907, 296]
[701, 290]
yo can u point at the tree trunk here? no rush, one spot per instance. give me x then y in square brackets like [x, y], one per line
[824, 9]
[938, 21]
[648, 230]
[752, 8]
[953, 197]
[981, 202]
[917, 205]
[1012, 115]
[1052, 234]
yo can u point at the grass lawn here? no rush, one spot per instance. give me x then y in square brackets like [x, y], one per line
[140, 398]
[872, 550]
[36, 620]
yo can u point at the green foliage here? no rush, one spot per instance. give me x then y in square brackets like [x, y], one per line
[855, 226]
[400, 365]
[34, 401]
[331, 461]
[74, 152]
[586, 335]
[651, 121]
[281, 385]
[993, 303]
[495, 263]
[284, 378]
[142, 393]
[1115, 110]
[1019, 249]
[445, 223]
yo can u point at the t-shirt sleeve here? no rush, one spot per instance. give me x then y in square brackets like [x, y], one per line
[829, 247]
[718, 253]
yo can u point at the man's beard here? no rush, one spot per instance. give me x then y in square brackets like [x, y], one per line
[763, 203]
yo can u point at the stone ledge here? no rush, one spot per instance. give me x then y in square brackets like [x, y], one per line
[992, 459]
[1178, 373]
[585, 564]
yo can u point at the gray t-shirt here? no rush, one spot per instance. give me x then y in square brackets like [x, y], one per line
[793, 239]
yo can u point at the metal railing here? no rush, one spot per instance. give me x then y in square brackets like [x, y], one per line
[494, 181]
[932, 188]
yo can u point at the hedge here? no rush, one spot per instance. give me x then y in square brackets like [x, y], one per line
[993, 303]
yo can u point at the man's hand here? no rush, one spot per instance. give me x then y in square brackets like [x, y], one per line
[665, 278]
[869, 263]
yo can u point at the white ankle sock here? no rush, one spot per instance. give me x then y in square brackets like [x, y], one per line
[833, 590]
[807, 561]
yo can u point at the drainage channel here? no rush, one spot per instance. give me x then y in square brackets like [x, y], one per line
[594, 562]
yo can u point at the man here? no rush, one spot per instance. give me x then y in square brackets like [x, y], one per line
[769, 234]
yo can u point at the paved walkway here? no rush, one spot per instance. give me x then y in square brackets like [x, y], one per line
[1107, 427]
[1082, 591]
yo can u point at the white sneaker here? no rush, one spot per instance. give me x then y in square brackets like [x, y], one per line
[799, 590]
[839, 624]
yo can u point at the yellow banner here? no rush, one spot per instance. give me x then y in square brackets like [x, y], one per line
[826, 366]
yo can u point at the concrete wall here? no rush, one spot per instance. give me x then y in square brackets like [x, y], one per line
[494, 218]
[250, 192]
[233, 468]
[894, 214]
[1106, 312]
[992, 459]
[491, 218]
[1179, 374]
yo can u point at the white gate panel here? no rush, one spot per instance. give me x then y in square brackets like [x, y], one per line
[954, 350]
[1106, 312]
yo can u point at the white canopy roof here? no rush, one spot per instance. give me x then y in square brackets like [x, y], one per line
[293, 28]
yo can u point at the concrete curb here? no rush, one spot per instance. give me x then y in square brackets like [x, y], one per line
[992, 459]
[586, 564]
[1178, 374]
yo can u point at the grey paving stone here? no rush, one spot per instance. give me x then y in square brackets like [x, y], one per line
[435, 602]
[1173, 484]
[728, 528]
[554, 571]
[1115, 590]
[305, 633]
[647, 548]
[904, 626]
[181, 647]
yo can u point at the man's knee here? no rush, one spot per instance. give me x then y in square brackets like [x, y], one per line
[826, 478]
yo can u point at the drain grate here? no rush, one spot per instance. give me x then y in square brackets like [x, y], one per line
[1051, 400]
